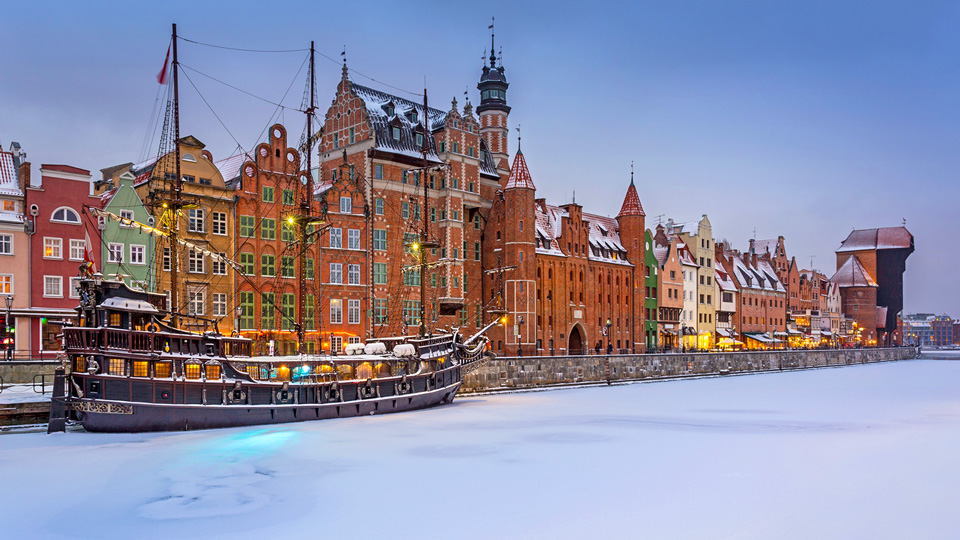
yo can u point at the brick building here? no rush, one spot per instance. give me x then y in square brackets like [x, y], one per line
[669, 290]
[870, 266]
[761, 314]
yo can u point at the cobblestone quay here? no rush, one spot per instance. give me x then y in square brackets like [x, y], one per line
[538, 371]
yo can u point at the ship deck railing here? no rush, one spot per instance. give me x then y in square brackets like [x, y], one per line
[143, 341]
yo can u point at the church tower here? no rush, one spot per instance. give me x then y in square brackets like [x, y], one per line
[493, 111]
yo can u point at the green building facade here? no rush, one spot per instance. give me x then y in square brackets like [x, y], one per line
[126, 250]
[650, 287]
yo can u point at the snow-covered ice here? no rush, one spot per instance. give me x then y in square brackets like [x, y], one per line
[24, 393]
[858, 452]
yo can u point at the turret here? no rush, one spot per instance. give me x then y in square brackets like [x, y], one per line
[631, 220]
[493, 109]
[519, 252]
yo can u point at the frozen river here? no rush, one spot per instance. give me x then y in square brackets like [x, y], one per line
[858, 452]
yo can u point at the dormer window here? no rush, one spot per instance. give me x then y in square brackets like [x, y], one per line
[389, 109]
[396, 133]
[419, 140]
[412, 115]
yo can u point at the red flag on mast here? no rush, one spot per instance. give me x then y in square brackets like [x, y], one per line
[162, 76]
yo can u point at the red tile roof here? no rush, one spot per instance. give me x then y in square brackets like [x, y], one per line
[882, 238]
[853, 274]
[519, 174]
[631, 203]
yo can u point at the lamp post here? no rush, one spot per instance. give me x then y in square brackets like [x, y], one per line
[8, 339]
[239, 312]
[607, 357]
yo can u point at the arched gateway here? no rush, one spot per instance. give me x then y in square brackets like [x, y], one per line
[575, 343]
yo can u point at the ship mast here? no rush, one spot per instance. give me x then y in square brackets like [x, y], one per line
[423, 216]
[177, 202]
[305, 207]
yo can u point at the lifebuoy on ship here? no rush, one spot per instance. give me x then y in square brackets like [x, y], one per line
[367, 390]
[404, 386]
[153, 327]
[333, 393]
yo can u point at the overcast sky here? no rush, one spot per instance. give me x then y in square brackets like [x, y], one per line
[802, 119]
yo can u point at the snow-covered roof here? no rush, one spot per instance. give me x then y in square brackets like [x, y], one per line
[882, 238]
[378, 103]
[631, 203]
[605, 245]
[765, 246]
[519, 174]
[853, 274]
[760, 277]
[723, 278]
[9, 184]
[230, 167]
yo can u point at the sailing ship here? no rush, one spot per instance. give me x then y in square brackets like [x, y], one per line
[131, 366]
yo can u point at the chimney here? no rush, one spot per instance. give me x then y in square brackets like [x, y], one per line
[752, 250]
[23, 176]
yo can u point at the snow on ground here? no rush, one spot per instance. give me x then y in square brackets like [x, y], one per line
[858, 452]
[24, 393]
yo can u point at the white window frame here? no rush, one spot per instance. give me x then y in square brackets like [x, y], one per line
[138, 254]
[126, 214]
[74, 287]
[53, 243]
[6, 241]
[58, 280]
[196, 298]
[195, 220]
[353, 274]
[114, 249]
[77, 249]
[336, 343]
[336, 238]
[6, 283]
[336, 311]
[219, 304]
[353, 238]
[65, 209]
[346, 205]
[219, 266]
[219, 220]
[195, 262]
[336, 273]
[353, 311]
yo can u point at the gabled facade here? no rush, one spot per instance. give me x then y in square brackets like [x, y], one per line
[127, 253]
[58, 247]
[698, 236]
[669, 289]
[652, 270]
[206, 288]
[14, 255]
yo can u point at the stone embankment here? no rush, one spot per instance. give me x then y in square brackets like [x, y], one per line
[511, 373]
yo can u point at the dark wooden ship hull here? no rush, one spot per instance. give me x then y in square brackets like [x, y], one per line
[194, 405]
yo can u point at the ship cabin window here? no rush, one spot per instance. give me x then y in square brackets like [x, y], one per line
[161, 370]
[79, 364]
[364, 371]
[117, 366]
[382, 370]
[114, 319]
[191, 370]
[346, 371]
[213, 371]
[140, 368]
[254, 372]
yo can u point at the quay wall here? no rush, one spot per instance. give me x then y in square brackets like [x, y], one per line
[24, 371]
[509, 373]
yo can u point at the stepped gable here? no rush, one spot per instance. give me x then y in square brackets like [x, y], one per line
[519, 174]
[631, 203]
[853, 274]
[882, 238]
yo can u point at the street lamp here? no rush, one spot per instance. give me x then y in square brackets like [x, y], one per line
[239, 313]
[8, 339]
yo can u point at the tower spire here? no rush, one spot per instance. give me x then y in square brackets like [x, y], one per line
[631, 172]
[493, 54]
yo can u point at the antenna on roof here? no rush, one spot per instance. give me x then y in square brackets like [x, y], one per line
[660, 219]
[904, 222]
[574, 196]
[754, 233]
[812, 257]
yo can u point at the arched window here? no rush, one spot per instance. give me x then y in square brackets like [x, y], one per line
[66, 214]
